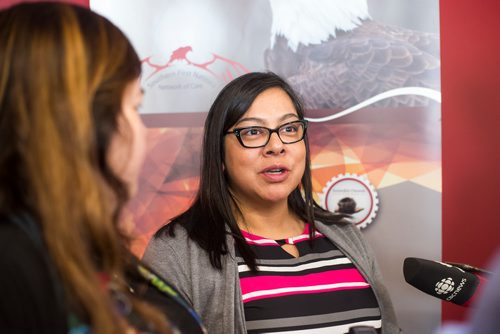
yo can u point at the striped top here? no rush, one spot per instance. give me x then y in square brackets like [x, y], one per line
[321, 291]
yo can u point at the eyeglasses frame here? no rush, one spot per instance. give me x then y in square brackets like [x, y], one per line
[237, 131]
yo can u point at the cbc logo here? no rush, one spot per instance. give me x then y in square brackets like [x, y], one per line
[444, 286]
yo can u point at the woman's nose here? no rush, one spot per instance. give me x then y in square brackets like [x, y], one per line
[274, 145]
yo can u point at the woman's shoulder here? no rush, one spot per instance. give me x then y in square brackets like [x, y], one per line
[22, 259]
[21, 250]
[343, 226]
[13, 240]
[348, 235]
[172, 241]
[169, 235]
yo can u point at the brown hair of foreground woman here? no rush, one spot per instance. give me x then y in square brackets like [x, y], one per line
[71, 146]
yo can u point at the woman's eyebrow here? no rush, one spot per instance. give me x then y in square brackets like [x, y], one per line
[257, 120]
[262, 122]
[287, 116]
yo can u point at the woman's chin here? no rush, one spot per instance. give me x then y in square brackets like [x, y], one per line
[276, 197]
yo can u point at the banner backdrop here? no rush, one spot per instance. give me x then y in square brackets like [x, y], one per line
[369, 74]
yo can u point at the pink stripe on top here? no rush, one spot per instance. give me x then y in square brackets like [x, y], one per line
[312, 283]
[327, 277]
[262, 294]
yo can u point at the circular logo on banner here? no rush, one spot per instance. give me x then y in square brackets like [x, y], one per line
[353, 195]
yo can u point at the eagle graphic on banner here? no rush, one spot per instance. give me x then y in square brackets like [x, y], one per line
[336, 56]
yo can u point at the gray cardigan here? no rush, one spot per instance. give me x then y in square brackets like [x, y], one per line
[216, 295]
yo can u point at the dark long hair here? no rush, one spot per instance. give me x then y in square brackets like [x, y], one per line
[211, 215]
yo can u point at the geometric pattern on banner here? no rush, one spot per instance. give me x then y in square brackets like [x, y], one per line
[387, 153]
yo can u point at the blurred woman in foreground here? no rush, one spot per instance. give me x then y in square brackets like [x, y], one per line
[72, 144]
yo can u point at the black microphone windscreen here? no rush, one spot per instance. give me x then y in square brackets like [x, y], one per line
[440, 280]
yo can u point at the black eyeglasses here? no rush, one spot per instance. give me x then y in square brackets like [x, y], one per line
[258, 136]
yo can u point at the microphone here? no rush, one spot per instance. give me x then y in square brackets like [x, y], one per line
[445, 281]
